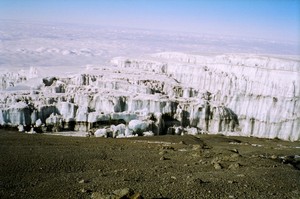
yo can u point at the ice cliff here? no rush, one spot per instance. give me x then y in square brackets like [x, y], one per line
[175, 93]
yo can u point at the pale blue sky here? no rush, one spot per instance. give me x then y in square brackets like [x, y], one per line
[267, 19]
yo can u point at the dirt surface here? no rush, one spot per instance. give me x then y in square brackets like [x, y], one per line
[207, 166]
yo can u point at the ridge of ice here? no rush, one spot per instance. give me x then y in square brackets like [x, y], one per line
[232, 94]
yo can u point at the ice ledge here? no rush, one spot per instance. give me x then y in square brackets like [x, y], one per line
[247, 95]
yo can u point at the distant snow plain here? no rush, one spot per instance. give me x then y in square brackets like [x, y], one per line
[26, 44]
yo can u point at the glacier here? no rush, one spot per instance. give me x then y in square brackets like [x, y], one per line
[166, 92]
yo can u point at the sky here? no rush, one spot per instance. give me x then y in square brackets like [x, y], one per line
[277, 20]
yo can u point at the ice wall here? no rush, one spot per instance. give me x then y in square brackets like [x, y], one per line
[246, 95]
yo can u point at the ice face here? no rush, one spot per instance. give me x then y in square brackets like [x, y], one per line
[232, 94]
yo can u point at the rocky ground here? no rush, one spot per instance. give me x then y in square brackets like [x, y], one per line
[206, 166]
